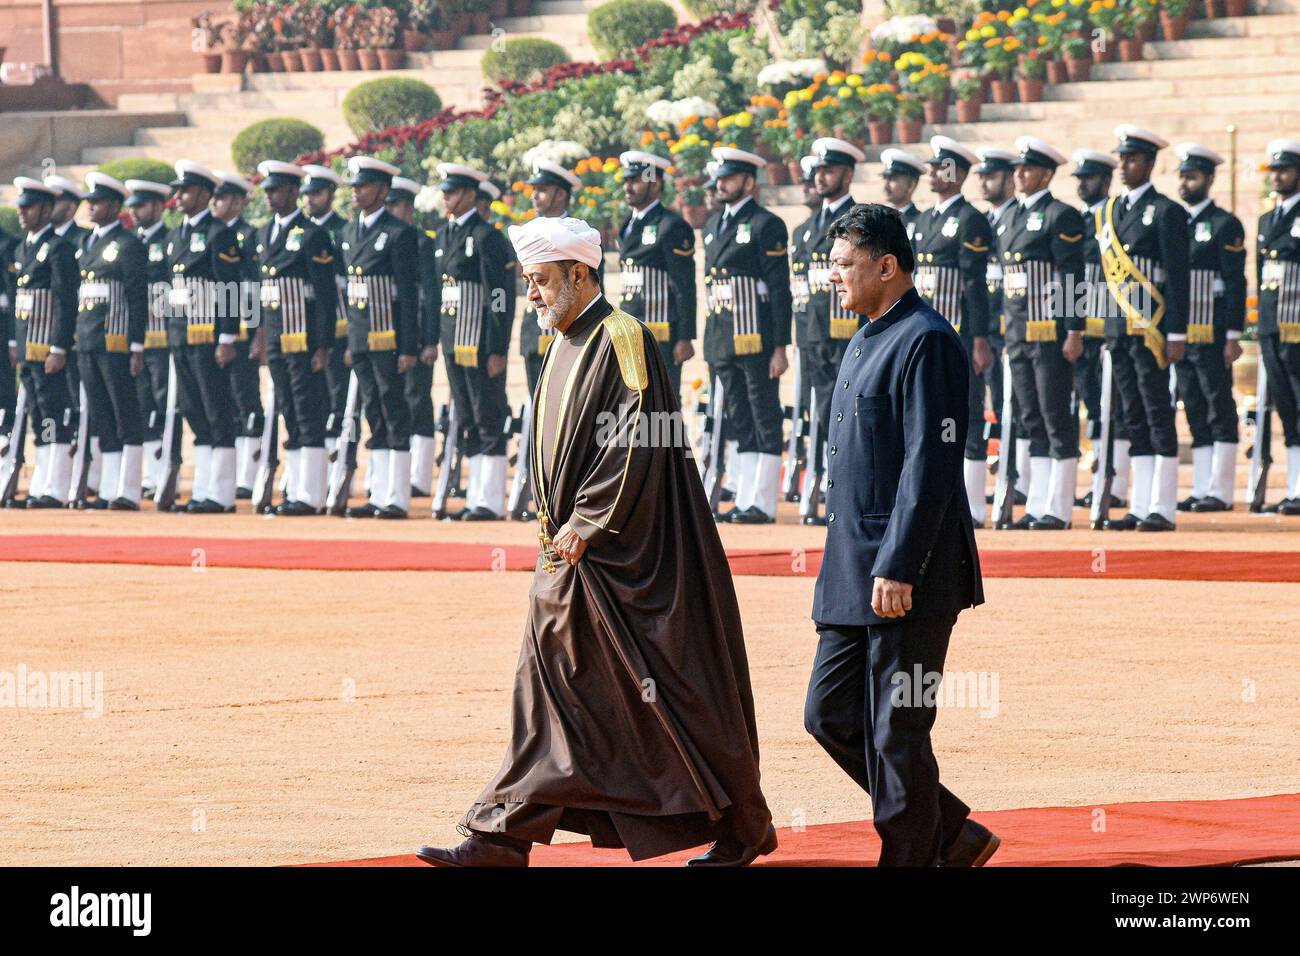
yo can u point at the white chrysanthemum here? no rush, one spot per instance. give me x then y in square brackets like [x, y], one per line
[428, 199]
[563, 151]
[902, 29]
[790, 71]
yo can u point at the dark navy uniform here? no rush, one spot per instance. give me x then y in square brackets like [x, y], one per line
[9, 376]
[1277, 270]
[151, 384]
[337, 374]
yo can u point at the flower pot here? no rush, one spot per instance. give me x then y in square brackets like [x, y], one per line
[1146, 31]
[234, 61]
[881, 132]
[499, 9]
[413, 41]
[211, 62]
[1056, 72]
[292, 61]
[794, 172]
[368, 59]
[481, 21]
[273, 61]
[1104, 52]
[1236, 8]
[1174, 28]
[909, 130]
[936, 112]
[1213, 9]
[1078, 68]
[778, 174]
[696, 216]
[311, 59]
[391, 59]
[520, 8]
[458, 23]
[349, 60]
[968, 111]
[1004, 91]
[1130, 49]
[767, 152]
[1031, 91]
[329, 58]
[442, 39]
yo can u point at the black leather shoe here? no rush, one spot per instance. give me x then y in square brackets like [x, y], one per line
[243, 494]
[92, 504]
[973, 846]
[362, 511]
[753, 515]
[526, 515]
[1290, 506]
[726, 495]
[420, 493]
[43, 502]
[295, 509]
[1188, 504]
[1084, 502]
[1155, 522]
[817, 520]
[1127, 523]
[392, 513]
[206, 507]
[475, 851]
[1024, 524]
[1273, 508]
[723, 517]
[729, 852]
[1048, 523]
[1211, 503]
[481, 514]
[123, 504]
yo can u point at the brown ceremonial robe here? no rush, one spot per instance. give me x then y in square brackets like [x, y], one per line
[633, 718]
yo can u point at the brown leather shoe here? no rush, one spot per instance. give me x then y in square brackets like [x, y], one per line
[477, 850]
[729, 852]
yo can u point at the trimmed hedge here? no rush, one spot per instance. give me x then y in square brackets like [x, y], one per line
[521, 59]
[617, 28]
[282, 139]
[378, 105]
[9, 221]
[152, 170]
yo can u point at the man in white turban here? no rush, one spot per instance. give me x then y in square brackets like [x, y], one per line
[633, 719]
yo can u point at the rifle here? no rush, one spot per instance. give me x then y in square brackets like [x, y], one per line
[796, 451]
[518, 503]
[1104, 477]
[714, 458]
[810, 493]
[81, 457]
[344, 465]
[164, 495]
[268, 457]
[1004, 495]
[11, 460]
[1261, 454]
[449, 472]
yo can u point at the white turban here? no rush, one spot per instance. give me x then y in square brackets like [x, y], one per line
[554, 240]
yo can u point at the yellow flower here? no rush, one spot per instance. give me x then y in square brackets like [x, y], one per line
[853, 80]
[610, 166]
[989, 31]
[745, 120]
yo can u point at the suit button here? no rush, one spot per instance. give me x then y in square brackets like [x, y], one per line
[1006, 255]
[845, 384]
[833, 449]
[830, 517]
[830, 483]
[839, 416]
[857, 351]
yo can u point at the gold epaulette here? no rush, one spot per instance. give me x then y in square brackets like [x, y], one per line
[629, 347]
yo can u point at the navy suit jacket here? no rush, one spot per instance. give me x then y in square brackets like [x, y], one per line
[895, 501]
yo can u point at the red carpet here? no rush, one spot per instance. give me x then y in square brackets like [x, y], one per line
[341, 555]
[1178, 833]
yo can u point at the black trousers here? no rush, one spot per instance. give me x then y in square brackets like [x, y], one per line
[419, 395]
[751, 402]
[114, 406]
[853, 710]
[337, 375]
[52, 415]
[207, 396]
[533, 371]
[382, 394]
[151, 393]
[1205, 388]
[1087, 384]
[1043, 382]
[992, 380]
[8, 393]
[977, 445]
[1148, 421]
[246, 379]
[1282, 362]
[301, 398]
[482, 408]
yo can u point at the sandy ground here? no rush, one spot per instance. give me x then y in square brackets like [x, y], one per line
[283, 716]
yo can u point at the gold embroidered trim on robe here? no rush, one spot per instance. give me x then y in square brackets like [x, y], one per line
[629, 347]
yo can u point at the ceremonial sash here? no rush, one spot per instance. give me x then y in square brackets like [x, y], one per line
[1122, 274]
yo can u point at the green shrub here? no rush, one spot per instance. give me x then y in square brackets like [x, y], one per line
[9, 221]
[521, 59]
[152, 170]
[282, 139]
[617, 28]
[391, 101]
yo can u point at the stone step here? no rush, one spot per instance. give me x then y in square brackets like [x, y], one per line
[98, 155]
[268, 82]
[188, 140]
[1156, 94]
[559, 8]
[1124, 107]
[1221, 47]
[1273, 22]
[1209, 67]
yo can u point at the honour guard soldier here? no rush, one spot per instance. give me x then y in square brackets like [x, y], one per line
[952, 242]
[1144, 240]
[45, 320]
[146, 202]
[1094, 171]
[475, 301]
[1042, 256]
[9, 376]
[207, 305]
[419, 380]
[1215, 320]
[228, 204]
[383, 295]
[70, 197]
[800, 291]
[112, 315]
[902, 171]
[488, 193]
[298, 301]
[553, 189]
[1277, 262]
[747, 285]
[657, 255]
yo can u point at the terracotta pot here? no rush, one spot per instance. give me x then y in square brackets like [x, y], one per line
[1174, 28]
[234, 61]
[520, 8]
[391, 59]
[778, 174]
[909, 130]
[292, 61]
[311, 59]
[881, 132]
[481, 21]
[697, 216]
[1146, 30]
[273, 61]
[1078, 68]
[211, 62]
[1056, 72]
[1213, 9]
[1236, 8]
[767, 152]
[1105, 53]
[1130, 49]
[413, 41]
[936, 112]
[329, 58]
[1031, 91]
[968, 111]
[349, 60]
[368, 59]
[794, 172]
[499, 9]
[1004, 91]
[458, 23]
[442, 39]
